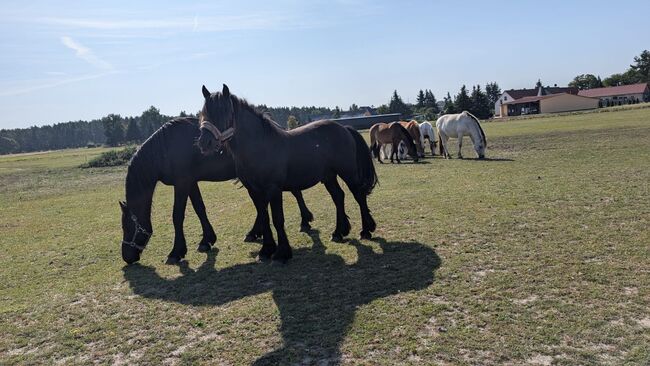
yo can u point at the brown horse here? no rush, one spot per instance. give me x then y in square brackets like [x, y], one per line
[414, 130]
[391, 133]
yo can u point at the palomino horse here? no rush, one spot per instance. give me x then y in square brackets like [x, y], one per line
[391, 133]
[414, 130]
[270, 160]
[459, 125]
[427, 132]
[171, 156]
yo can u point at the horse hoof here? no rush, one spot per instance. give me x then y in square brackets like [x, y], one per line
[337, 238]
[251, 238]
[365, 235]
[173, 261]
[204, 248]
[305, 228]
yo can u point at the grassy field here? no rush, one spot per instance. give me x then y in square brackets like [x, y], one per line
[539, 256]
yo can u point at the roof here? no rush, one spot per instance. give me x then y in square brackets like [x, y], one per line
[531, 99]
[538, 98]
[614, 90]
[523, 93]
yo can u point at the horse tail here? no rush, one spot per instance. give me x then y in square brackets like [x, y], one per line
[365, 168]
[478, 123]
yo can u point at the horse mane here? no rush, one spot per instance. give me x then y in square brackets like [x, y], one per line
[145, 165]
[409, 139]
[478, 123]
[239, 104]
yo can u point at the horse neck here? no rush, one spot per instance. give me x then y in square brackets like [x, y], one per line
[252, 127]
[475, 132]
[140, 186]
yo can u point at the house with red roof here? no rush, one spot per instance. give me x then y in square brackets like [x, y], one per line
[619, 95]
[542, 100]
[509, 96]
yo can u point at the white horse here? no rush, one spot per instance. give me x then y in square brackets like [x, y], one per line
[427, 132]
[402, 151]
[459, 125]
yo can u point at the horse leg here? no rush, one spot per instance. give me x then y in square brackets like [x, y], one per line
[283, 253]
[268, 244]
[209, 236]
[255, 233]
[396, 152]
[305, 215]
[178, 216]
[444, 140]
[379, 147]
[342, 222]
[368, 224]
[460, 146]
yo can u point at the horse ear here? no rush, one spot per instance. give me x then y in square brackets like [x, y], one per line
[123, 205]
[225, 91]
[206, 92]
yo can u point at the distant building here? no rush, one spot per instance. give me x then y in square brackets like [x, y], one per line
[552, 103]
[618, 95]
[515, 94]
[364, 122]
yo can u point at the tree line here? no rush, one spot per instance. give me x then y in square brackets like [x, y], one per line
[480, 102]
[112, 130]
[638, 72]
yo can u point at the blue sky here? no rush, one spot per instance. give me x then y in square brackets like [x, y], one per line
[72, 60]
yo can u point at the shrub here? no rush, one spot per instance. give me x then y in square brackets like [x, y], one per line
[112, 158]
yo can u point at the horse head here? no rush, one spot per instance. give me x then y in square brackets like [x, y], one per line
[217, 120]
[135, 236]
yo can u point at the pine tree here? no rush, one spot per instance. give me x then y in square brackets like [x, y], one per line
[642, 67]
[431, 102]
[493, 92]
[113, 129]
[449, 107]
[397, 105]
[481, 106]
[133, 131]
[462, 101]
[421, 99]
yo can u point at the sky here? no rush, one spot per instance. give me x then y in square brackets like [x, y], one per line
[80, 60]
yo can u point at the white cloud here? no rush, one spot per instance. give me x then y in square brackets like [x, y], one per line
[85, 53]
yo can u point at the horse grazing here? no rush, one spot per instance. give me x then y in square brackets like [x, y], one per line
[270, 160]
[391, 133]
[459, 125]
[414, 130]
[171, 156]
[428, 133]
[387, 149]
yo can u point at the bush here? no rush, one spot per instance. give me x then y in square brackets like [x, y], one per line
[112, 158]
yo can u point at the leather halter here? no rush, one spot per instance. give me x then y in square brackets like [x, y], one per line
[223, 137]
[139, 229]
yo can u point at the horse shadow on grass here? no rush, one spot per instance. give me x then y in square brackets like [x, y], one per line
[317, 293]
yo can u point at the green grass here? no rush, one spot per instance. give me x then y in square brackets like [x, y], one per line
[539, 256]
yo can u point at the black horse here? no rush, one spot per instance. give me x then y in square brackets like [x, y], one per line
[270, 160]
[170, 156]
